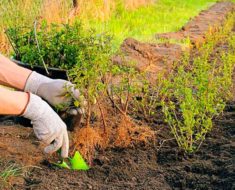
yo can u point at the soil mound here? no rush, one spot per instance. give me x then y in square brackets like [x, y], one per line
[148, 57]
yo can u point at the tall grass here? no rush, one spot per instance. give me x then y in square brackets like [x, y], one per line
[16, 13]
[133, 4]
[103, 9]
[55, 11]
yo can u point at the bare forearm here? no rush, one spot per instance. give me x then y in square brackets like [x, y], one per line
[12, 102]
[11, 74]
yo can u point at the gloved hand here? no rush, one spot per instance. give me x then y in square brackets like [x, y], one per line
[54, 91]
[47, 125]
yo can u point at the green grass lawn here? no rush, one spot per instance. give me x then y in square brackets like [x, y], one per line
[143, 23]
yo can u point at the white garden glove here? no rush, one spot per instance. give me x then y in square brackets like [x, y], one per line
[54, 91]
[47, 125]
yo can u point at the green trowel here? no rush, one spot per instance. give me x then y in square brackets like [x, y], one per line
[75, 163]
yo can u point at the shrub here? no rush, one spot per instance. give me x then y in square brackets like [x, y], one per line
[192, 104]
[198, 91]
[124, 86]
[62, 46]
[89, 72]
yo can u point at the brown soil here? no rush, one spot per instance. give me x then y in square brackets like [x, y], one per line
[120, 132]
[158, 165]
[149, 58]
[152, 58]
[20, 144]
[144, 167]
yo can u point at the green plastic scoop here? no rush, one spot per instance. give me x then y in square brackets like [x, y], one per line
[78, 163]
[75, 163]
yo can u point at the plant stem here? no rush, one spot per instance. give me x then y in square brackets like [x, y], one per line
[14, 48]
[115, 105]
[39, 51]
[102, 115]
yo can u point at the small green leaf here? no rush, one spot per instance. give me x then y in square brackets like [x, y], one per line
[76, 103]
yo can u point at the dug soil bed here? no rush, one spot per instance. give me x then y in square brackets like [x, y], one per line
[159, 166]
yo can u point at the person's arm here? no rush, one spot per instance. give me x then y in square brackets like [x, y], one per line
[13, 75]
[12, 102]
[52, 90]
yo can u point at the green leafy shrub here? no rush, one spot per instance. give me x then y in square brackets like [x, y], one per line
[84, 54]
[193, 103]
[125, 85]
[147, 103]
[195, 92]
[62, 46]
[89, 73]
[198, 91]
